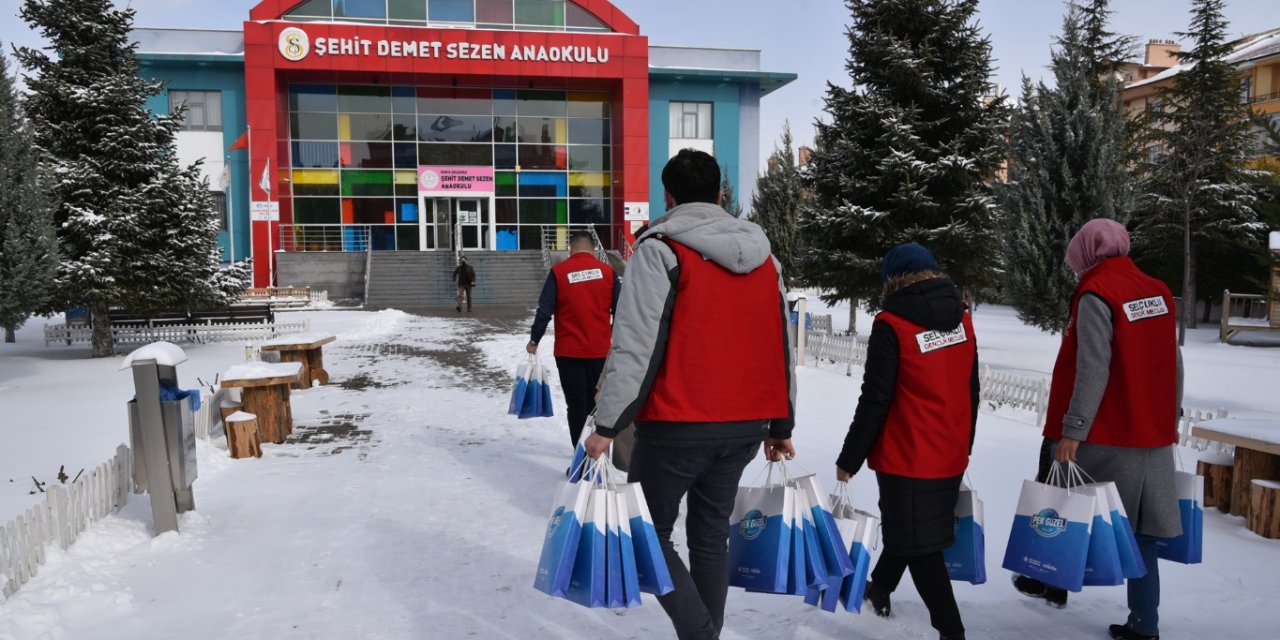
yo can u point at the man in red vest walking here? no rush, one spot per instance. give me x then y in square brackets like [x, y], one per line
[581, 293]
[701, 362]
[1114, 403]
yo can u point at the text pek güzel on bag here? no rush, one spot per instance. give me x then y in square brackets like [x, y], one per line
[1049, 540]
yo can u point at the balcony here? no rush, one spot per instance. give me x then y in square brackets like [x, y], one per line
[1266, 97]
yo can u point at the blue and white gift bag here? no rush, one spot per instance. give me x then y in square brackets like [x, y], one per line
[520, 387]
[760, 538]
[864, 530]
[966, 558]
[630, 576]
[560, 546]
[1131, 564]
[531, 407]
[545, 405]
[835, 553]
[652, 573]
[614, 592]
[1049, 540]
[1187, 548]
[1103, 567]
[587, 582]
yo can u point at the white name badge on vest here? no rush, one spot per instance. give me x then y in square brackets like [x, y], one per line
[1145, 308]
[586, 275]
[934, 340]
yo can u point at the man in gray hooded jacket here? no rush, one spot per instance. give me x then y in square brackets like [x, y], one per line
[701, 363]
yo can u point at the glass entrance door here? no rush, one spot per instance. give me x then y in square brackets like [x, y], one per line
[435, 226]
[470, 229]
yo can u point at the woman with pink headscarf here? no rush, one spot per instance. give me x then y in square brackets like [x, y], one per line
[1114, 403]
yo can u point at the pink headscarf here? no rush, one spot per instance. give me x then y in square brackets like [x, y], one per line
[1096, 241]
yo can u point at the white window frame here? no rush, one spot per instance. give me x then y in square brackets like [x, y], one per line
[692, 120]
[204, 106]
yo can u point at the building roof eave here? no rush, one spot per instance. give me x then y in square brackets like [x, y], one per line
[769, 81]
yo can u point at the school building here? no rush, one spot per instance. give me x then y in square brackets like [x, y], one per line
[374, 128]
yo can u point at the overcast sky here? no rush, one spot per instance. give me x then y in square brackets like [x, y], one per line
[805, 37]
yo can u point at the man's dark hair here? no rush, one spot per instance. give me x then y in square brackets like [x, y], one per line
[692, 176]
[581, 239]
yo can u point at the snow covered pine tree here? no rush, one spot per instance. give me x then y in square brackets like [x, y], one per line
[135, 229]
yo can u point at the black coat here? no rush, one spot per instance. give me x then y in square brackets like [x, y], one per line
[917, 515]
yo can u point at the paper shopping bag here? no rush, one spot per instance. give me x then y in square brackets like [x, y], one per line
[1102, 567]
[614, 591]
[519, 387]
[630, 576]
[587, 582]
[863, 528]
[1187, 548]
[966, 558]
[760, 538]
[1131, 564]
[1049, 540]
[796, 559]
[560, 545]
[532, 405]
[545, 405]
[835, 553]
[651, 565]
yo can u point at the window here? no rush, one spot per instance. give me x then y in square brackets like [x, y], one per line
[204, 109]
[220, 208]
[1245, 85]
[690, 120]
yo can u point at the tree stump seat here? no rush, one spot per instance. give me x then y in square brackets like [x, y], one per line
[1264, 508]
[243, 440]
[1218, 474]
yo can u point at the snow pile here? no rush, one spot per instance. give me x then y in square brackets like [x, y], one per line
[164, 354]
[381, 325]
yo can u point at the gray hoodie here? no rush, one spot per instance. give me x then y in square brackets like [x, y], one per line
[647, 297]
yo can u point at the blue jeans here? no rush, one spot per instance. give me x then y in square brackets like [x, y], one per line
[1144, 592]
[709, 476]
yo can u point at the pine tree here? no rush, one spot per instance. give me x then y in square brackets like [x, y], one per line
[1068, 163]
[728, 198]
[1197, 196]
[908, 150]
[776, 204]
[134, 228]
[28, 249]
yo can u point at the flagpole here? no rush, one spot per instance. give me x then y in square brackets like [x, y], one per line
[231, 206]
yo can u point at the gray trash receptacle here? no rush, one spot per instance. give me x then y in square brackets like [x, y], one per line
[179, 439]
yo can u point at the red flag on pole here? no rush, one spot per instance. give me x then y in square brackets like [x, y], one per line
[241, 143]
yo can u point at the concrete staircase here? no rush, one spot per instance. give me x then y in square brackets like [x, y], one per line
[419, 279]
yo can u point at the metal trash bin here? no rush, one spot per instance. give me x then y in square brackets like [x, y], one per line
[179, 440]
[162, 433]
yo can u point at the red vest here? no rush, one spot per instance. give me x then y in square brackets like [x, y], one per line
[724, 360]
[1139, 405]
[584, 297]
[930, 422]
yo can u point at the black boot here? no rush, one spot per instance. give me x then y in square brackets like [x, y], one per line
[879, 601]
[1123, 632]
[1053, 596]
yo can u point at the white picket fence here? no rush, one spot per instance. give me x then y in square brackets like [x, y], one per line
[999, 389]
[61, 333]
[65, 512]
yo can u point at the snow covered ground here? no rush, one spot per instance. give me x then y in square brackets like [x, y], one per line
[411, 506]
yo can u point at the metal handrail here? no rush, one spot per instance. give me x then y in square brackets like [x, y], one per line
[308, 238]
[1266, 97]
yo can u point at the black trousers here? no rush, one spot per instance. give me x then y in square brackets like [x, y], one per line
[929, 572]
[709, 475]
[578, 377]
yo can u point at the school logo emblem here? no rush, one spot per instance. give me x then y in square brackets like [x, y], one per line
[1048, 524]
[295, 44]
[752, 524]
[429, 180]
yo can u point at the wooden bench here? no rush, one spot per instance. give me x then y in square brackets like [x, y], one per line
[1257, 444]
[279, 296]
[236, 314]
[304, 348]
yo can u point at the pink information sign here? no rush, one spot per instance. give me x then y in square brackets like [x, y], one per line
[455, 180]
